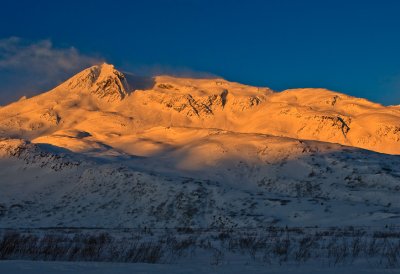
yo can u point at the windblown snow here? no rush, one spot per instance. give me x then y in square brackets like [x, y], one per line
[105, 149]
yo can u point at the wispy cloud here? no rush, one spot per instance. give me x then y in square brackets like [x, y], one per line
[159, 69]
[27, 67]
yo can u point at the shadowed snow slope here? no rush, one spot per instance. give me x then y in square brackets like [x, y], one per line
[168, 151]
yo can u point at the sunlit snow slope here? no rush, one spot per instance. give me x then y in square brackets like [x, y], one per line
[108, 149]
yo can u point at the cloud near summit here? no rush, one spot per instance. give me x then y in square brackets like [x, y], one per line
[27, 67]
[16, 53]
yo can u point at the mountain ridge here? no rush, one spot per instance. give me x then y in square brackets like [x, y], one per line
[182, 152]
[101, 94]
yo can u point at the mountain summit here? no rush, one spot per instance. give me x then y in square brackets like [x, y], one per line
[100, 101]
[182, 152]
[102, 80]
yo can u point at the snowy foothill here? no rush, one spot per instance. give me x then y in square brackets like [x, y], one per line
[115, 167]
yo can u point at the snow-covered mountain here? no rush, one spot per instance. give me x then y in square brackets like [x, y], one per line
[106, 149]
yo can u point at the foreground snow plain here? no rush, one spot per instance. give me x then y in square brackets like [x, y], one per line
[91, 169]
[39, 267]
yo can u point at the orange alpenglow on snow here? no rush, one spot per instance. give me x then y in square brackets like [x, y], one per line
[101, 108]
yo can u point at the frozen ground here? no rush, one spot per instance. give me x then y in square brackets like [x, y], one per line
[39, 267]
[201, 153]
[272, 247]
[195, 172]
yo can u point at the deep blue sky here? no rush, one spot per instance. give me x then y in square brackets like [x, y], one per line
[348, 46]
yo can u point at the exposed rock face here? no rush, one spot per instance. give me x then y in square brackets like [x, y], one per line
[99, 100]
[104, 81]
[111, 84]
[200, 153]
[195, 106]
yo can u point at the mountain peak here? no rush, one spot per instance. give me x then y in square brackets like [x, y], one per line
[102, 80]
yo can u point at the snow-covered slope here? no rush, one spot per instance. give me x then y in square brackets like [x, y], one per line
[261, 181]
[108, 150]
[100, 102]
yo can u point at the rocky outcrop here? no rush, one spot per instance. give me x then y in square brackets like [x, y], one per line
[103, 80]
[100, 101]
[194, 105]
